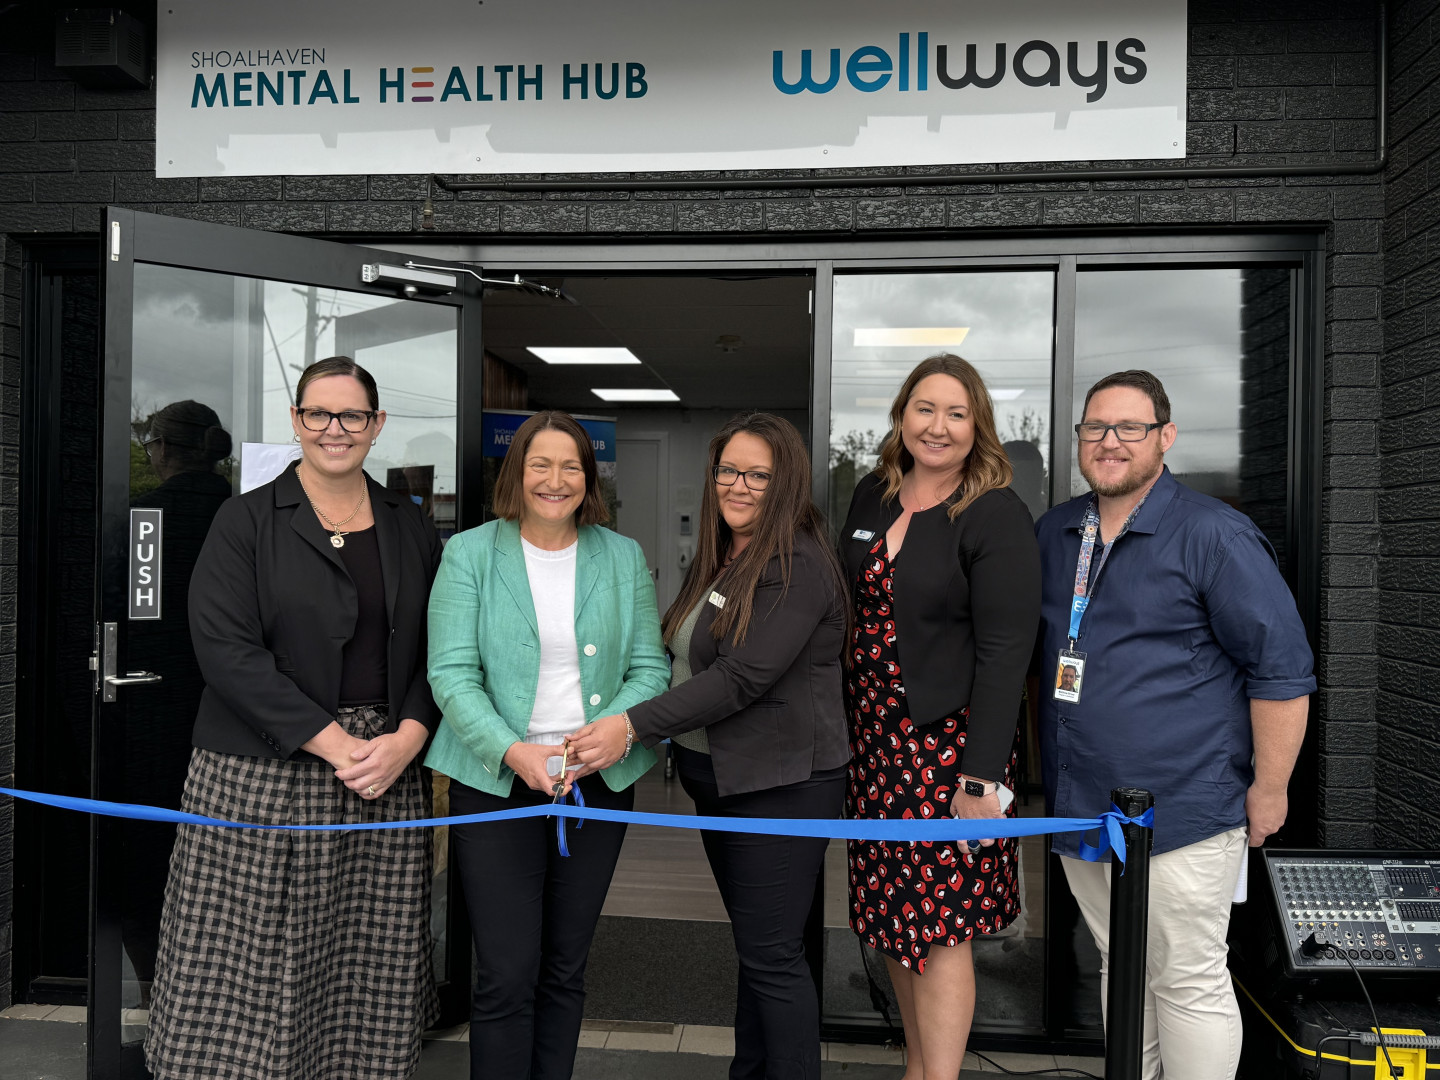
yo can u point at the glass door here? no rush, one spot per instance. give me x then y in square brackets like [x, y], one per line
[206, 330]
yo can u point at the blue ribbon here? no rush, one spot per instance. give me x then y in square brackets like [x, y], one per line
[1112, 835]
[891, 830]
[560, 820]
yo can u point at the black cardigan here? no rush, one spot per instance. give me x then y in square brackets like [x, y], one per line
[967, 605]
[772, 707]
[272, 606]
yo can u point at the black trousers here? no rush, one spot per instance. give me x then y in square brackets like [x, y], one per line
[533, 915]
[768, 884]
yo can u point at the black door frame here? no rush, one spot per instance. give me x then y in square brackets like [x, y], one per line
[129, 237]
[48, 269]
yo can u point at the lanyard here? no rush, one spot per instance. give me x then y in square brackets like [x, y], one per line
[1085, 581]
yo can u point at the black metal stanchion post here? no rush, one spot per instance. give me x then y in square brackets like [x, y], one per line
[1129, 914]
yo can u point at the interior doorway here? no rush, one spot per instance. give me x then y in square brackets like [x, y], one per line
[666, 360]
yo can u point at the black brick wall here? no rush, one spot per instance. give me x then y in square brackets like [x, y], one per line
[9, 586]
[1407, 741]
[1272, 82]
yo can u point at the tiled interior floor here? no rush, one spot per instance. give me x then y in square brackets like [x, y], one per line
[662, 1038]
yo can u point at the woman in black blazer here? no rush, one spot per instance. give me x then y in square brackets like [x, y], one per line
[755, 715]
[305, 955]
[941, 642]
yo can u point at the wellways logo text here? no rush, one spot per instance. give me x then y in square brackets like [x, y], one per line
[1035, 63]
[260, 77]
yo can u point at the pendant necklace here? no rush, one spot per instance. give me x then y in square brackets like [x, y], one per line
[338, 540]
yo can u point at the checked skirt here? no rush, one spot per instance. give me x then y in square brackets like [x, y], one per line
[289, 955]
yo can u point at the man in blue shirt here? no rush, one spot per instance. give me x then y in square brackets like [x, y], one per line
[1189, 662]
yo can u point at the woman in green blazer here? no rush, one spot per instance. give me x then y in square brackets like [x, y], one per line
[540, 622]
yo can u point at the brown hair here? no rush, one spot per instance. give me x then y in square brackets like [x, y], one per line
[509, 497]
[1136, 379]
[337, 365]
[785, 513]
[986, 467]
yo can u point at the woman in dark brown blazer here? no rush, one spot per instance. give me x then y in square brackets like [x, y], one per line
[754, 712]
[305, 956]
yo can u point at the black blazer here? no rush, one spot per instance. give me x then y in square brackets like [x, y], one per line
[967, 605]
[272, 606]
[771, 707]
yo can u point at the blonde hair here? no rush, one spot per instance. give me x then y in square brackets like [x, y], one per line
[986, 466]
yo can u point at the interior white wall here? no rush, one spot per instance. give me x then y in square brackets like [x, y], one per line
[689, 432]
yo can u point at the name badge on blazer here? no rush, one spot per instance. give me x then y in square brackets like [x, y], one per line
[717, 599]
[862, 534]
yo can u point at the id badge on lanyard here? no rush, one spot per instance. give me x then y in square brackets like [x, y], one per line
[1070, 664]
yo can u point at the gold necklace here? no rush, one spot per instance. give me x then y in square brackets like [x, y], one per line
[338, 540]
[920, 507]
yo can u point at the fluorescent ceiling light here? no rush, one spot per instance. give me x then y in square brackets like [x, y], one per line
[928, 337]
[634, 395]
[1004, 394]
[553, 355]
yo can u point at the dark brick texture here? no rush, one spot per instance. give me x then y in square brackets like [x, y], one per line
[1407, 742]
[1271, 83]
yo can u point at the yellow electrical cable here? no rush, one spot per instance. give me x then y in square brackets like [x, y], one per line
[1364, 1062]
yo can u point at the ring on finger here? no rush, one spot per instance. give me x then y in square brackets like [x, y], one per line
[371, 790]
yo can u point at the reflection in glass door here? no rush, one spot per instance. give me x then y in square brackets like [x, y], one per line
[884, 324]
[215, 362]
[208, 372]
[1219, 339]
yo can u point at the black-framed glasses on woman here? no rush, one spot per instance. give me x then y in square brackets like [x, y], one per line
[755, 479]
[351, 420]
[1126, 432]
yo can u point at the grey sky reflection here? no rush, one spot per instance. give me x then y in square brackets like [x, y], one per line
[1184, 327]
[238, 345]
[1010, 341]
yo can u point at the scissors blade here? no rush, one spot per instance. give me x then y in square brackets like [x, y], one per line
[559, 788]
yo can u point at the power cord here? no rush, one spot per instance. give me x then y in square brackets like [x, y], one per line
[1065, 1071]
[881, 1004]
[1318, 944]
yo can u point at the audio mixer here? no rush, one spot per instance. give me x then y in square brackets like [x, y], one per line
[1381, 910]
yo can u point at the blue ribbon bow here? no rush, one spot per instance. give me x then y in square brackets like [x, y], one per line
[1112, 835]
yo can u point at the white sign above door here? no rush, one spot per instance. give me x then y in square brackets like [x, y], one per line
[572, 86]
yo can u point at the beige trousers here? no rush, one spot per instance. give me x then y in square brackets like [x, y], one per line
[1192, 1021]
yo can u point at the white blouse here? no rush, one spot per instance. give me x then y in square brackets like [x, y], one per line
[558, 706]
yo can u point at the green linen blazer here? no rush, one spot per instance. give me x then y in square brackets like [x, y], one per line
[485, 648]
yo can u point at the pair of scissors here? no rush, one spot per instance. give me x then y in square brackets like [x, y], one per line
[559, 788]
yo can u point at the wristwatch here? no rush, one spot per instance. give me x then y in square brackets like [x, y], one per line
[975, 789]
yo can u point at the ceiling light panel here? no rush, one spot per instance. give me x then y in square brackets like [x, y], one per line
[557, 355]
[618, 394]
[927, 337]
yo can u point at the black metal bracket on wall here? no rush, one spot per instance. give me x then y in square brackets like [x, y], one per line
[1034, 176]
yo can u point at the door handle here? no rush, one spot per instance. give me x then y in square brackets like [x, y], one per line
[105, 664]
[133, 678]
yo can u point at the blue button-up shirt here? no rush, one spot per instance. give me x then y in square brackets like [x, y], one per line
[1188, 621]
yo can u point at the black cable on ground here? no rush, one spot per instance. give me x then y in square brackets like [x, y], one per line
[1062, 1071]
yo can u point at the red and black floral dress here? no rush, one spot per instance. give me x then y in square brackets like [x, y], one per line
[906, 896]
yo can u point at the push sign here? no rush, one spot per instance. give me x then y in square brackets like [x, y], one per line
[145, 532]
